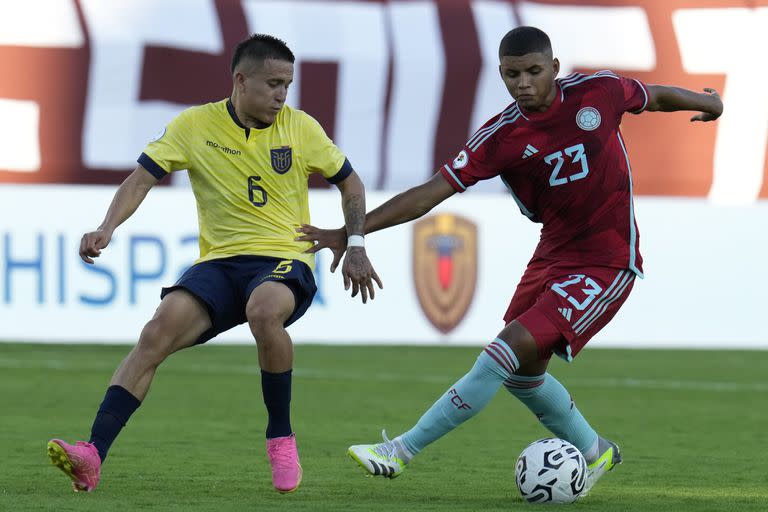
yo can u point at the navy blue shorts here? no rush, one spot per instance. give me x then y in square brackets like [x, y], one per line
[224, 285]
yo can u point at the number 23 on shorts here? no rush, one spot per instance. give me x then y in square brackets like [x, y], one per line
[590, 289]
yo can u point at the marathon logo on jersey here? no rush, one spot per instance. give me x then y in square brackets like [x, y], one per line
[282, 158]
[445, 268]
[223, 149]
[588, 118]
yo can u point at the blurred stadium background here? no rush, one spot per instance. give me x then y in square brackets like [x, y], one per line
[399, 86]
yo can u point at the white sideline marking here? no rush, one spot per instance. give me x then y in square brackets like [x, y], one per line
[311, 373]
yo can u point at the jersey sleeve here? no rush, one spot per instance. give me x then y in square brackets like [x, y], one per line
[629, 94]
[168, 151]
[476, 162]
[321, 154]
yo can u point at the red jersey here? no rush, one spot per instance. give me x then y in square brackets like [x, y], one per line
[566, 168]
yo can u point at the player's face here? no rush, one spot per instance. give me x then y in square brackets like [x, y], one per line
[263, 91]
[530, 79]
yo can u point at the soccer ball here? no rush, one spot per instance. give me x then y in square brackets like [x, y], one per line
[551, 471]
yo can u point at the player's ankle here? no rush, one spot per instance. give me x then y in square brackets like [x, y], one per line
[402, 450]
[593, 452]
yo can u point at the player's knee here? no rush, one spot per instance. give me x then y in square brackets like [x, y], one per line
[522, 343]
[263, 316]
[155, 342]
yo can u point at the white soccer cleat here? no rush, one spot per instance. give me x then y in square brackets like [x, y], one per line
[378, 459]
[609, 459]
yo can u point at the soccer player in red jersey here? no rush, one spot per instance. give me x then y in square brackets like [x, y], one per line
[559, 150]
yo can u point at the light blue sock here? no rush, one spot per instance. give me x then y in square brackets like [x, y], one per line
[553, 406]
[464, 399]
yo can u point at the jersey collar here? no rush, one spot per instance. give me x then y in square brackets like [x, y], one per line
[236, 120]
[233, 115]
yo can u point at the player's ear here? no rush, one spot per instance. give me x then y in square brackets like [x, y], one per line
[555, 67]
[240, 81]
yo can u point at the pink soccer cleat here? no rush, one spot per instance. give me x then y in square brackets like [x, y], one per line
[286, 470]
[80, 462]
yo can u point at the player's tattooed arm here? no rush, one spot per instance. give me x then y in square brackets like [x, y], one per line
[127, 199]
[662, 98]
[357, 271]
[353, 205]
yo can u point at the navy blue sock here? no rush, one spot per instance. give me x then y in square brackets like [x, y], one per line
[276, 388]
[117, 407]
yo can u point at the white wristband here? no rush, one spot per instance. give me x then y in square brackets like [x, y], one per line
[356, 241]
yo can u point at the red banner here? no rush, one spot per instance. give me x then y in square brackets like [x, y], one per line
[398, 85]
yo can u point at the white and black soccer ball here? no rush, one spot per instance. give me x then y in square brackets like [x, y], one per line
[551, 471]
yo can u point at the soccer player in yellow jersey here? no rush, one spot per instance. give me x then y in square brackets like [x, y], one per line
[249, 158]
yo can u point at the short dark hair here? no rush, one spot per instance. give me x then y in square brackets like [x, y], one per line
[261, 47]
[523, 40]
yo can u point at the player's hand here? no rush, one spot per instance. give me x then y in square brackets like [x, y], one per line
[333, 239]
[92, 243]
[359, 273]
[716, 110]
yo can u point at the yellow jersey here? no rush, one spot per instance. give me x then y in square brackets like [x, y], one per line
[250, 184]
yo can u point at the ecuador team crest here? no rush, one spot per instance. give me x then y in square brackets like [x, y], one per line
[445, 268]
[282, 158]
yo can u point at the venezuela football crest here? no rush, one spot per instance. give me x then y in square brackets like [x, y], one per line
[445, 268]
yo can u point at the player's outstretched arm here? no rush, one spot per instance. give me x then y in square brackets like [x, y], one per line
[662, 98]
[357, 269]
[409, 205]
[406, 206]
[128, 197]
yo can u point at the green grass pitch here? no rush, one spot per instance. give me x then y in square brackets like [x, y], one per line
[692, 427]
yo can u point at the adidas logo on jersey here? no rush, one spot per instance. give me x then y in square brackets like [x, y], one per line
[529, 151]
[566, 312]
